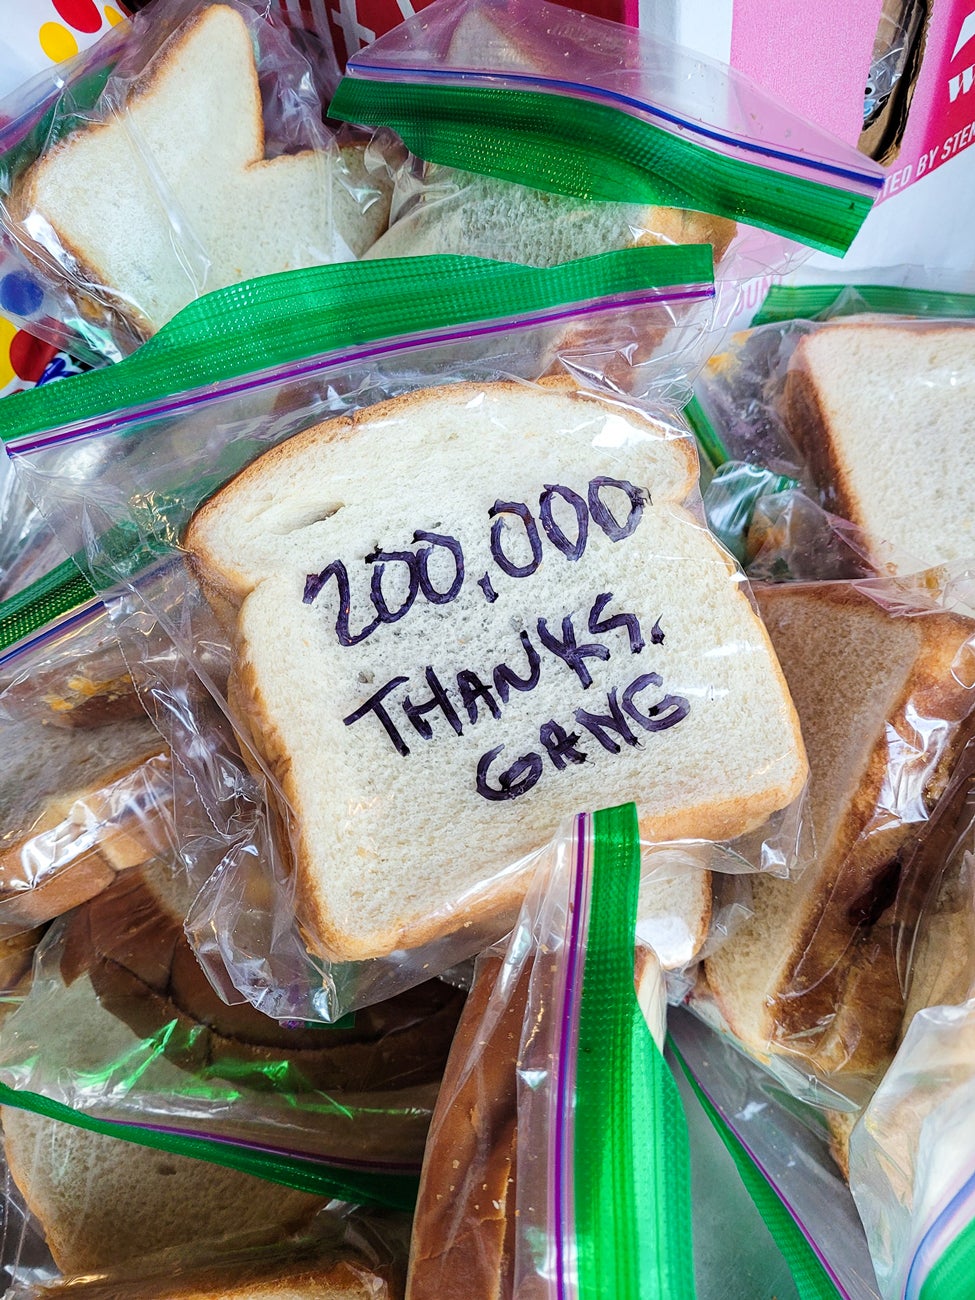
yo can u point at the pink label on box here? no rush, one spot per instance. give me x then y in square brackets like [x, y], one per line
[814, 57]
[942, 114]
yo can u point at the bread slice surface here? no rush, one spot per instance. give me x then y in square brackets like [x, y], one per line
[396, 848]
[811, 972]
[181, 170]
[101, 1200]
[885, 414]
[481, 216]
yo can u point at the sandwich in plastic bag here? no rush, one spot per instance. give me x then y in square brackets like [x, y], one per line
[550, 1167]
[547, 133]
[105, 1217]
[882, 672]
[77, 805]
[300, 1269]
[911, 1156]
[830, 375]
[121, 1024]
[182, 153]
[483, 606]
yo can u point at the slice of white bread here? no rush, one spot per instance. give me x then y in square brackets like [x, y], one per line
[812, 972]
[396, 848]
[458, 212]
[885, 414]
[674, 911]
[101, 1200]
[172, 196]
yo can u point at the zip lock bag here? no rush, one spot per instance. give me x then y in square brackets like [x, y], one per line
[151, 1223]
[781, 1149]
[542, 129]
[249, 372]
[781, 404]
[555, 1129]
[87, 785]
[120, 1032]
[558, 1161]
[882, 673]
[911, 1154]
[183, 152]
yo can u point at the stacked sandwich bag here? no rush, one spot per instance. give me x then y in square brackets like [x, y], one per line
[387, 566]
[847, 989]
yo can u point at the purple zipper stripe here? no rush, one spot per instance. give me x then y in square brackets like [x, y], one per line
[778, 1191]
[304, 369]
[567, 1045]
[601, 94]
[339, 1162]
[922, 1261]
[90, 610]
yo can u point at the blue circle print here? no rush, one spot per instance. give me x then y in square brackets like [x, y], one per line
[20, 294]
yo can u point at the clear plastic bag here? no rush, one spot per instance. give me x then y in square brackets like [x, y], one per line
[173, 454]
[883, 677]
[912, 1159]
[150, 1223]
[183, 152]
[558, 1122]
[788, 1142]
[77, 805]
[862, 396]
[121, 1025]
[606, 135]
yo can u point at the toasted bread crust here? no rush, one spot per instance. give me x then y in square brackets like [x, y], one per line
[809, 425]
[838, 1004]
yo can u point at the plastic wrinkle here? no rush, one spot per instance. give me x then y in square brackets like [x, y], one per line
[97, 322]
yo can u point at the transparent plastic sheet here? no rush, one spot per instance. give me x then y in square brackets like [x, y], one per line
[77, 805]
[437, 209]
[24, 1253]
[912, 1157]
[882, 673]
[811, 400]
[71, 673]
[121, 1024]
[332, 1249]
[505, 1138]
[244, 917]
[28, 548]
[896, 59]
[102, 189]
[582, 133]
[788, 1142]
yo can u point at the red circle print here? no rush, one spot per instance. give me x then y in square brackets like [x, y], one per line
[82, 15]
[29, 357]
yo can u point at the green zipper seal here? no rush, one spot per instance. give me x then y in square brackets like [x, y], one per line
[811, 1279]
[396, 1191]
[56, 593]
[283, 319]
[708, 439]
[594, 151]
[816, 301]
[632, 1155]
[953, 1271]
[280, 319]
